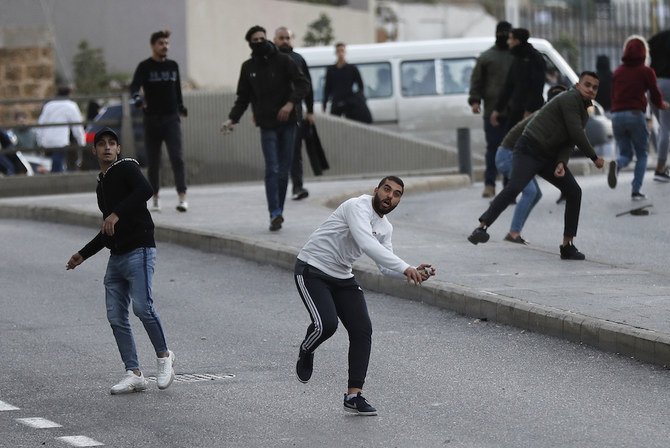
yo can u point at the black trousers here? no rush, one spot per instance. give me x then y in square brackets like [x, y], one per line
[327, 298]
[159, 129]
[525, 165]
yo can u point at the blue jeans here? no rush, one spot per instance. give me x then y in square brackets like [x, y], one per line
[278, 146]
[494, 135]
[128, 279]
[530, 195]
[57, 161]
[631, 134]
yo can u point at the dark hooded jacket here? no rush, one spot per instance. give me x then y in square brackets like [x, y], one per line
[123, 190]
[267, 82]
[632, 79]
[659, 50]
[524, 85]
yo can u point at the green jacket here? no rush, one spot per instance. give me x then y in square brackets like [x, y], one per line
[559, 126]
[488, 78]
[513, 134]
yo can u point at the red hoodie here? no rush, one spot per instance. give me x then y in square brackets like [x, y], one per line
[632, 79]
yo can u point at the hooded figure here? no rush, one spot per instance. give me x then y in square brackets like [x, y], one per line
[630, 83]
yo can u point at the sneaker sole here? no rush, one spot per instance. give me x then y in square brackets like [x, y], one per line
[611, 175]
[356, 411]
[661, 179]
[132, 390]
[182, 209]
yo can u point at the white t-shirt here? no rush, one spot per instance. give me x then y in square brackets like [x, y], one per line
[60, 111]
[351, 230]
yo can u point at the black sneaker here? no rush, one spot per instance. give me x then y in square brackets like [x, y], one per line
[517, 240]
[638, 196]
[304, 366]
[478, 235]
[300, 194]
[358, 405]
[612, 174]
[570, 252]
[662, 176]
[275, 223]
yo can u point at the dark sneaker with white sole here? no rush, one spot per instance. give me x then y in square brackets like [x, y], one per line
[570, 252]
[358, 405]
[304, 366]
[478, 235]
[662, 176]
[638, 196]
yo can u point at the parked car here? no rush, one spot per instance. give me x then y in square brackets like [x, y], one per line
[12, 162]
[110, 116]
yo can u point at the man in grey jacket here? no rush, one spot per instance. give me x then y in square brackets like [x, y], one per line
[544, 149]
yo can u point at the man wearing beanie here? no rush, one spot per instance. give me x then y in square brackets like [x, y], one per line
[523, 91]
[486, 82]
[274, 85]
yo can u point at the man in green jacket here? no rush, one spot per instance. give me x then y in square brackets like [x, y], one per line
[486, 82]
[544, 149]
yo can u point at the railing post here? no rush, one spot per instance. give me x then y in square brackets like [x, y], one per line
[464, 154]
[127, 133]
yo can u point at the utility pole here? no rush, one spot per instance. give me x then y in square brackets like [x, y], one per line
[512, 12]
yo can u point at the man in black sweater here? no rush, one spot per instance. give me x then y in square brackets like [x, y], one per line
[274, 85]
[282, 40]
[128, 231]
[341, 78]
[163, 107]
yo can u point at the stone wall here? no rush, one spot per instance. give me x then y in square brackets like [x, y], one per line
[26, 70]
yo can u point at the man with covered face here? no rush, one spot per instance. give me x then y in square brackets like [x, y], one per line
[486, 82]
[274, 85]
[327, 286]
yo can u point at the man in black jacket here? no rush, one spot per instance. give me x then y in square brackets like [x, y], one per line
[128, 231]
[274, 85]
[282, 40]
[163, 107]
[524, 86]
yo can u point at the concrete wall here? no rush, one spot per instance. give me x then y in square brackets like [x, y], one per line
[216, 45]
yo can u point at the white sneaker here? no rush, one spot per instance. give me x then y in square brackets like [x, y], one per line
[155, 205]
[165, 371]
[182, 206]
[130, 383]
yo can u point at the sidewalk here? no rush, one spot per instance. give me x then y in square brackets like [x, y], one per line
[616, 300]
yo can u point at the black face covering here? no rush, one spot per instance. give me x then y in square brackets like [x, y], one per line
[285, 48]
[501, 41]
[260, 48]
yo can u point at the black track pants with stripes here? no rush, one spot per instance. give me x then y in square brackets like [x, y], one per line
[327, 298]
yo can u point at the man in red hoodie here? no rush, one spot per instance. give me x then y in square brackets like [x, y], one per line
[630, 83]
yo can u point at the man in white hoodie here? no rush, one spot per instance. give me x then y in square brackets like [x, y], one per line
[57, 111]
[326, 284]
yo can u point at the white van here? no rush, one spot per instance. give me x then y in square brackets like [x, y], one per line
[421, 87]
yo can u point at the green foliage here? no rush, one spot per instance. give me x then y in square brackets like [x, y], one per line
[90, 70]
[319, 32]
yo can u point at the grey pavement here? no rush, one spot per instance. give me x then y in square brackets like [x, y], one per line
[616, 300]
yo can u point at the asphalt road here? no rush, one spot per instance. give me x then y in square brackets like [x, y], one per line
[438, 379]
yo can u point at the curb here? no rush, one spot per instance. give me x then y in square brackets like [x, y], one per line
[642, 344]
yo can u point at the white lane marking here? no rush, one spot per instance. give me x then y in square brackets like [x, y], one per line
[79, 441]
[7, 407]
[38, 422]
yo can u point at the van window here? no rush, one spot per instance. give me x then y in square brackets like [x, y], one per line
[446, 77]
[456, 75]
[553, 75]
[376, 80]
[417, 78]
